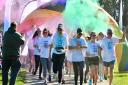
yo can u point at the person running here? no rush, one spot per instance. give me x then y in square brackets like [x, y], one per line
[93, 52]
[36, 38]
[108, 53]
[45, 47]
[77, 45]
[59, 48]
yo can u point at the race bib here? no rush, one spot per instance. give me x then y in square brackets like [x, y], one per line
[110, 45]
[95, 48]
[46, 44]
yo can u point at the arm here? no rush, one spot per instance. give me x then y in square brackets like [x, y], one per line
[76, 47]
[21, 40]
[79, 46]
[83, 46]
[99, 52]
[123, 37]
[50, 51]
[71, 47]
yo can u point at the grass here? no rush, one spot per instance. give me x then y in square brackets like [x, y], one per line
[20, 79]
[120, 78]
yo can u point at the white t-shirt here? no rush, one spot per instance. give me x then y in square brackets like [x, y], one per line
[59, 41]
[108, 49]
[77, 54]
[44, 45]
[92, 49]
[36, 42]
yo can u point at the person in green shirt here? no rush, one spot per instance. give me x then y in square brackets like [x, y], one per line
[12, 41]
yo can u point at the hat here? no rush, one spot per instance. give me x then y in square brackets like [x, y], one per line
[92, 34]
[59, 27]
[109, 31]
[13, 24]
[79, 30]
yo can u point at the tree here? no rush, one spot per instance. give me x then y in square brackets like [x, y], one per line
[125, 13]
[113, 8]
[109, 6]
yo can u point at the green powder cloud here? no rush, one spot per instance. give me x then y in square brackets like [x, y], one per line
[85, 14]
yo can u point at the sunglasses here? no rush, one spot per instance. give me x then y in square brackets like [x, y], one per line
[59, 29]
[80, 34]
[93, 35]
[110, 33]
[45, 32]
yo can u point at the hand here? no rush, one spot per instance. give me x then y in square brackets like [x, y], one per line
[39, 50]
[46, 46]
[78, 44]
[49, 58]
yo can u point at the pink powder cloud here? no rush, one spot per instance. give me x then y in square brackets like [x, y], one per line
[2, 2]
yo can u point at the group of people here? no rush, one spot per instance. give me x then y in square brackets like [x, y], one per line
[51, 51]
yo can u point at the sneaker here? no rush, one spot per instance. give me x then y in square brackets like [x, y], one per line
[40, 78]
[63, 81]
[105, 77]
[101, 79]
[90, 82]
[45, 82]
[59, 83]
[85, 81]
[49, 78]
[33, 73]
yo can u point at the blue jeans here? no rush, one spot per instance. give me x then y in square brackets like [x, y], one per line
[38, 64]
[46, 64]
[15, 67]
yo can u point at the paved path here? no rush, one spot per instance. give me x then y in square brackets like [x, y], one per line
[34, 80]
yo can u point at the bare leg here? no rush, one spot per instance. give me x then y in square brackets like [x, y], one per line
[95, 74]
[105, 72]
[111, 74]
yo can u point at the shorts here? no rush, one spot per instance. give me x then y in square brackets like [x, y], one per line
[107, 64]
[93, 60]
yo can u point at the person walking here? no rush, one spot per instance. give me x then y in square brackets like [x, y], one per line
[45, 47]
[12, 41]
[93, 58]
[36, 38]
[101, 74]
[77, 45]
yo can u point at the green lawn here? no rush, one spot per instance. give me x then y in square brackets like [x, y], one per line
[20, 78]
[120, 78]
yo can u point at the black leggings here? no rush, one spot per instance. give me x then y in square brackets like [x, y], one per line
[58, 60]
[38, 64]
[78, 67]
